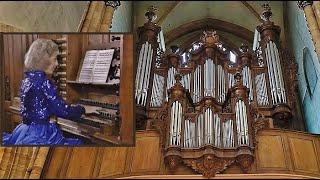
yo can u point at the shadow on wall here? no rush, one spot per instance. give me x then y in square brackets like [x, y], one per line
[308, 66]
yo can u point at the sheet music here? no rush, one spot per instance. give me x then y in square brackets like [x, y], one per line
[102, 66]
[96, 65]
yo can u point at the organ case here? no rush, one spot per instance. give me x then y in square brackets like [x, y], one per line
[209, 109]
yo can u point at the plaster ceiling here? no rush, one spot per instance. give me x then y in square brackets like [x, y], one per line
[173, 14]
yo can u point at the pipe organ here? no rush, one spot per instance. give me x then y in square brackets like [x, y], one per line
[209, 109]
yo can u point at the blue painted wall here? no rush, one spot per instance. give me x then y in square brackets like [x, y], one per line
[299, 39]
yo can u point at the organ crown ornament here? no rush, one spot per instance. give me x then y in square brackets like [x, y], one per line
[266, 13]
[210, 38]
[150, 14]
[244, 48]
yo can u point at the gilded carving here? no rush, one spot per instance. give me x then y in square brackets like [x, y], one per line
[209, 165]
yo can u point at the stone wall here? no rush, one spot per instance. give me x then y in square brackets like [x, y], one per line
[300, 42]
[122, 18]
[43, 16]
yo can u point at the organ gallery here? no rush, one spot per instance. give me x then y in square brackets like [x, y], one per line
[219, 90]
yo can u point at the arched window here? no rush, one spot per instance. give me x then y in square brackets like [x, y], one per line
[310, 73]
[232, 57]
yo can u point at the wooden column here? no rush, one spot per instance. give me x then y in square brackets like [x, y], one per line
[306, 6]
[99, 16]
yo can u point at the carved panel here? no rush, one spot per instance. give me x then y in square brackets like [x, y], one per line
[304, 155]
[113, 161]
[271, 145]
[81, 162]
[146, 155]
[209, 165]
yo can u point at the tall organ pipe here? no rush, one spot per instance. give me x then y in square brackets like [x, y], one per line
[143, 73]
[242, 123]
[275, 73]
[157, 91]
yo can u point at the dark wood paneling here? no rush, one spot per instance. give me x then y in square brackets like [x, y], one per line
[126, 91]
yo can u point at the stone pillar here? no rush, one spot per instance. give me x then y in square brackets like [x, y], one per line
[111, 6]
[99, 16]
[316, 10]
[306, 6]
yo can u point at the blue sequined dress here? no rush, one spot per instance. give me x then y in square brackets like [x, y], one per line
[39, 101]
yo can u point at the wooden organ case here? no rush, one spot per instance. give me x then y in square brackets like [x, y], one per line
[115, 98]
[209, 110]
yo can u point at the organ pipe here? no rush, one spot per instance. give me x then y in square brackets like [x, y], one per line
[157, 91]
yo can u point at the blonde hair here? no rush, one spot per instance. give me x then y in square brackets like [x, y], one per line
[39, 53]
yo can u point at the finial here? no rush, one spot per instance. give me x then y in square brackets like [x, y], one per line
[150, 14]
[113, 4]
[244, 48]
[174, 48]
[210, 37]
[266, 13]
[238, 77]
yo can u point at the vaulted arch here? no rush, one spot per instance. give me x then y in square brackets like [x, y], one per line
[209, 23]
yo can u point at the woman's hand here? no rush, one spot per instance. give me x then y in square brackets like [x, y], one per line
[91, 109]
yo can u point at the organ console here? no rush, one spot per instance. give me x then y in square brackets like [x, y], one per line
[102, 127]
[209, 109]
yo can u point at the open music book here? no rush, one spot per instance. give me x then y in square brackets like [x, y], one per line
[96, 65]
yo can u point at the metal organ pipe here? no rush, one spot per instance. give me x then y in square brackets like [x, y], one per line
[172, 124]
[161, 41]
[228, 134]
[143, 73]
[138, 86]
[217, 131]
[242, 123]
[261, 88]
[170, 80]
[221, 84]
[197, 84]
[246, 72]
[270, 71]
[256, 40]
[231, 80]
[186, 81]
[150, 56]
[245, 123]
[209, 78]
[186, 133]
[208, 126]
[275, 73]
[157, 91]
[200, 130]
[193, 134]
[282, 90]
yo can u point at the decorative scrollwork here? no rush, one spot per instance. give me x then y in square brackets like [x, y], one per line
[303, 4]
[209, 165]
[113, 4]
[245, 161]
